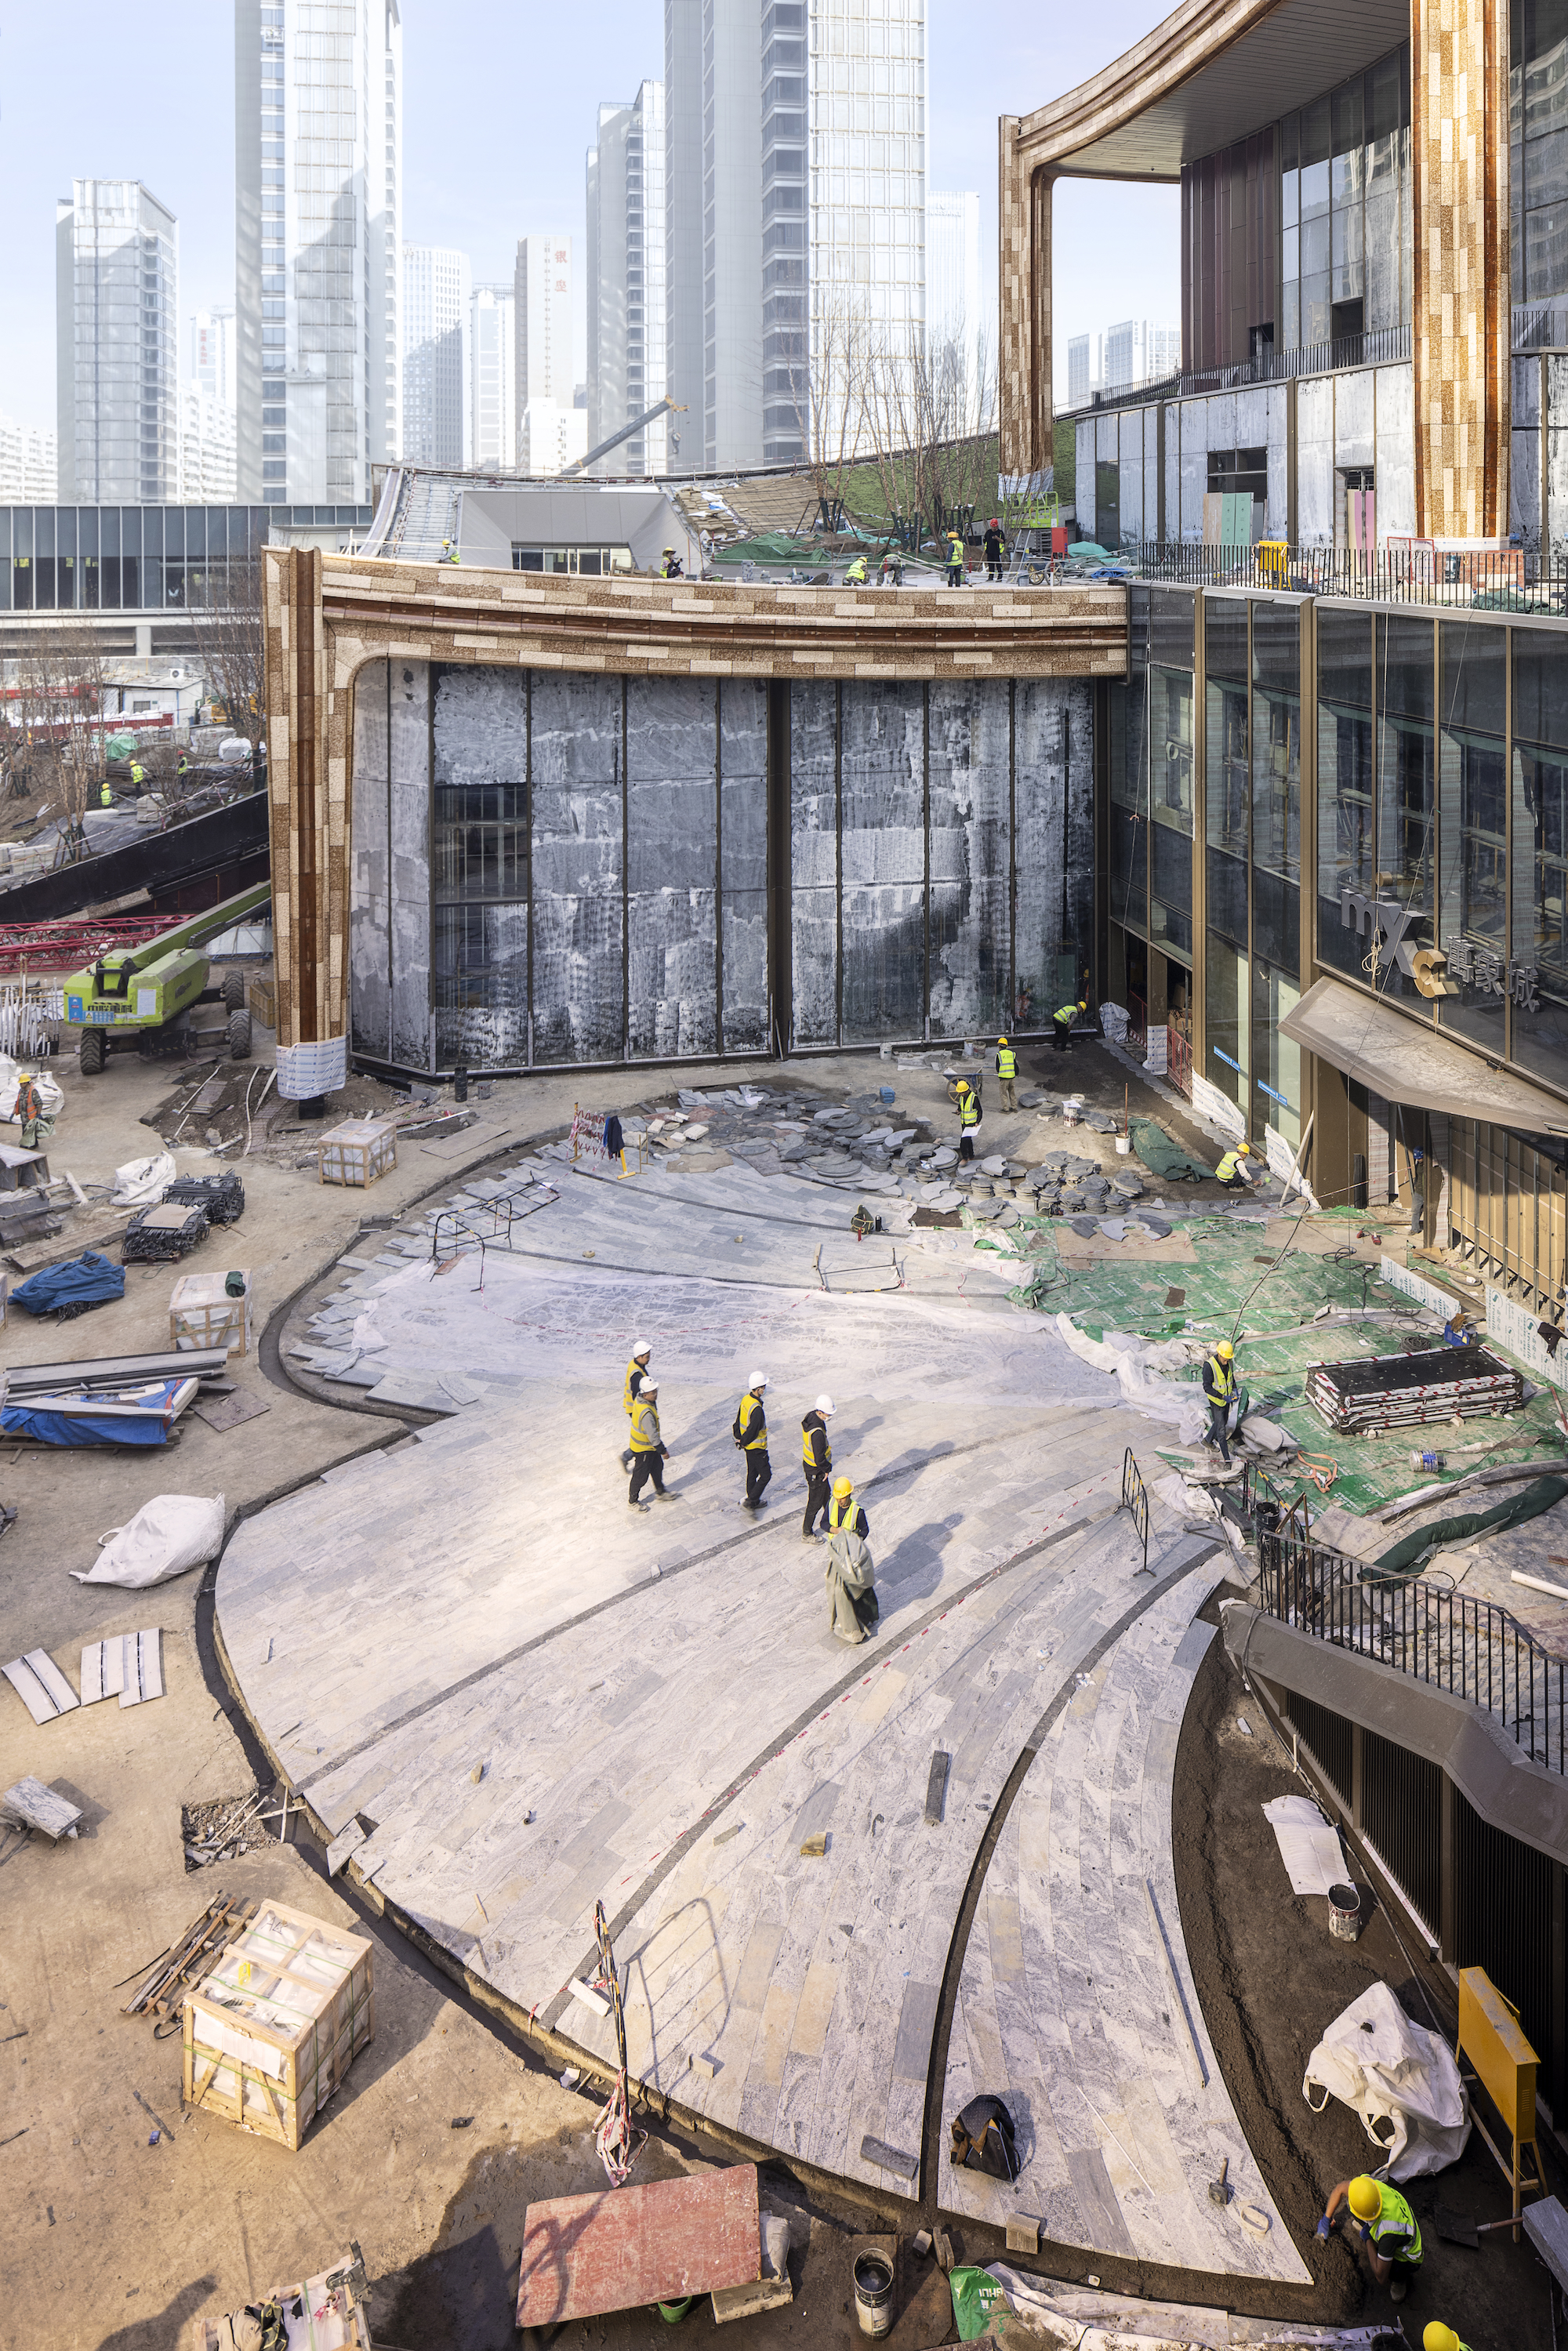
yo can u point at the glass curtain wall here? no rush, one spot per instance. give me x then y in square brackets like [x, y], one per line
[1344, 208]
[141, 559]
[1405, 849]
[1539, 920]
[1537, 178]
[1276, 945]
[1229, 807]
[1345, 853]
[1171, 629]
[1473, 831]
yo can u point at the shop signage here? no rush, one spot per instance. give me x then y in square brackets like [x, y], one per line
[1436, 972]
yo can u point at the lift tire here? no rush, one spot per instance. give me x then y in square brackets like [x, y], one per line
[239, 1036]
[233, 990]
[92, 1052]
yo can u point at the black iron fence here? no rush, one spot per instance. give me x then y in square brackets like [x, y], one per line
[1499, 579]
[1450, 1640]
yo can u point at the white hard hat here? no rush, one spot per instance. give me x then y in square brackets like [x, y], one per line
[641, 1347]
[824, 1404]
[758, 1380]
[649, 1387]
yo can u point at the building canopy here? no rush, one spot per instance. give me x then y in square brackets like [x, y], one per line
[1407, 1063]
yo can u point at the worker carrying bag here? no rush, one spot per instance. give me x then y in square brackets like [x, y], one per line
[983, 2139]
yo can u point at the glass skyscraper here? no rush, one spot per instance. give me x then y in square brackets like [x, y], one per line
[116, 259]
[319, 247]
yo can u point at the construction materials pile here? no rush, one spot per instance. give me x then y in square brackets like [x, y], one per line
[1405, 1391]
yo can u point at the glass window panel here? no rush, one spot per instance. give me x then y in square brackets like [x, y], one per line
[1227, 1009]
[1316, 247]
[1472, 879]
[1407, 809]
[1290, 198]
[1170, 888]
[1291, 142]
[1170, 749]
[1277, 738]
[1277, 1079]
[1540, 916]
[1346, 248]
[1345, 782]
[1172, 614]
[1546, 253]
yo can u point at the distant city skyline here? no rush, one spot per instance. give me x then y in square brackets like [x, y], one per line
[484, 197]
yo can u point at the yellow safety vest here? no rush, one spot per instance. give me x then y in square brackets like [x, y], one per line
[1069, 1013]
[840, 1513]
[1006, 1062]
[748, 1406]
[1228, 1167]
[1396, 2218]
[807, 1455]
[645, 1436]
[627, 1398]
[1224, 1378]
[968, 1111]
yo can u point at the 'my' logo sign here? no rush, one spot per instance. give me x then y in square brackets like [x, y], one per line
[1381, 920]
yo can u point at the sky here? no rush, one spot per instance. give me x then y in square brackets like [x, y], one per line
[501, 97]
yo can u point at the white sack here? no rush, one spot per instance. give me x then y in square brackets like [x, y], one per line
[1309, 1847]
[142, 1182]
[1401, 2079]
[168, 1535]
[49, 1093]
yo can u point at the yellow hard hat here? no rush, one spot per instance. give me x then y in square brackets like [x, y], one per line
[962, 1087]
[842, 1486]
[1244, 1151]
[1001, 1040]
[1438, 2337]
[1082, 1004]
[1224, 1351]
[1365, 2201]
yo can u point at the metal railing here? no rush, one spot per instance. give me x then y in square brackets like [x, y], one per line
[1450, 1640]
[1378, 347]
[1509, 579]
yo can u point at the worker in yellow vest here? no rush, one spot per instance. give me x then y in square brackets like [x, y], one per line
[636, 1373]
[968, 1118]
[749, 1430]
[1385, 2225]
[954, 558]
[1219, 1391]
[1061, 1022]
[649, 1451]
[817, 1454]
[844, 1510]
[1230, 1171]
[1006, 1070]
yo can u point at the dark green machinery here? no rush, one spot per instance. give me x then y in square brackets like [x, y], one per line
[143, 997]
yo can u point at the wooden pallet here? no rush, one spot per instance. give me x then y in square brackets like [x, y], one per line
[162, 1987]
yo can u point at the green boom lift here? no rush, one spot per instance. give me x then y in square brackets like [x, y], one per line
[142, 995]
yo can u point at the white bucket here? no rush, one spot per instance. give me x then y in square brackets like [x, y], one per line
[1124, 1146]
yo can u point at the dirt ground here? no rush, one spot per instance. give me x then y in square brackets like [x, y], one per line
[1271, 1979]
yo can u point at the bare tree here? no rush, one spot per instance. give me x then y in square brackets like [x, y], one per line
[931, 423]
[830, 381]
[230, 644]
[59, 701]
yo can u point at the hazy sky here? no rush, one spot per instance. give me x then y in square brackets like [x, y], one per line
[500, 102]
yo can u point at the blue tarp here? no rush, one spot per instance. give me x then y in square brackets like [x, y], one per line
[85, 1282]
[44, 1420]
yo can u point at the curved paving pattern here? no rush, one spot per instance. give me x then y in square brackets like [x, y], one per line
[539, 1701]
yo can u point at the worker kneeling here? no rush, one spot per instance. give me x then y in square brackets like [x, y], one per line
[1230, 1171]
[1385, 2225]
[850, 1574]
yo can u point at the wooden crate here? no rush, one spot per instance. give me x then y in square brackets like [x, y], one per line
[272, 2029]
[358, 1151]
[202, 1313]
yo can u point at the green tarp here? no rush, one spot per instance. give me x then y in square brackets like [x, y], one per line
[1405, 1557]
[1163, 1157]
[769, 547]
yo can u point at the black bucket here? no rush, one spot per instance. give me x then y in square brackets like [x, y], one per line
[874, 2295]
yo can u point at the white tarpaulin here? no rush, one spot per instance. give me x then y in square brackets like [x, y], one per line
[1309, 1847]
[167, 1536]
[1401, 2079]
[1136, 1367]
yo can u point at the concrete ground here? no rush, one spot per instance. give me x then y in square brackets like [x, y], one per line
[114, 2241]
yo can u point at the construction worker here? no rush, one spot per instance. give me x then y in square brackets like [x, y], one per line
[1006, 1070]
[649, 1451]
[855, 576]
[671, 566]
[37, 1125]
[994, 549]
[954, 558]
[138, 777]
[1438, 2337]
[1385, 2225]
[1219, 1391]
[844, 1510]
[615, 1139]
[1230, 1171]
[1061, 1022]
[182, 766]
[105, 796]
[636, 1374]
[817, 1454]
[968, 1118]
[892, 572]
[749, 1430]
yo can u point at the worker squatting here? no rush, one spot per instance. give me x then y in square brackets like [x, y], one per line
[832, 1513]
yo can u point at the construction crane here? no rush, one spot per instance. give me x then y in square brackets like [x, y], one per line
[627, 433]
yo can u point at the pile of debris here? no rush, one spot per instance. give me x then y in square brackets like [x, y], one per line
[230, 1826]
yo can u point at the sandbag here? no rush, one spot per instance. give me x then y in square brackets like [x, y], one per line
[169, 1535]
[976, 2299]
[141, 1183]
[854, 1611]
[1400, 2079]
[1403, 1557]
